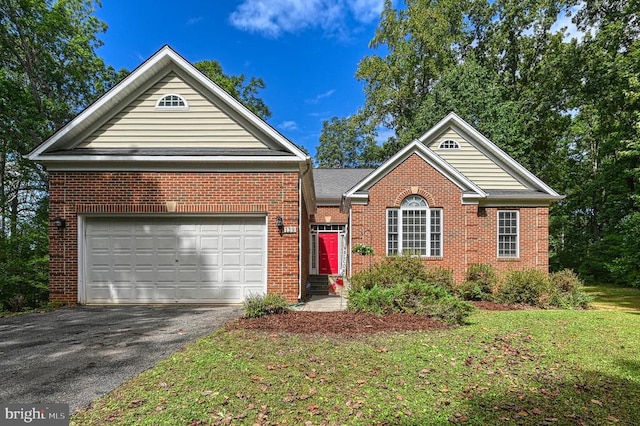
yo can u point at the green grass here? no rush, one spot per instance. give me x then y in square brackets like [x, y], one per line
[612, 297]
[516, 367]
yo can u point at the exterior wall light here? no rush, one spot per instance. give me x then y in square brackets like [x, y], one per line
[280, 224]
[59, 222]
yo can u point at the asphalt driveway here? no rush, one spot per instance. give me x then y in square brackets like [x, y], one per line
[77, 354]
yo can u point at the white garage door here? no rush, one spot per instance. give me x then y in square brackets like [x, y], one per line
[174, 260]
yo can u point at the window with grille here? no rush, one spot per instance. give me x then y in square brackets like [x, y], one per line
[449, 144]
[508, 233]
[172, 102]
[414, 228]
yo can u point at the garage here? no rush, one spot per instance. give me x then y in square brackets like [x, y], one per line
[173, 260]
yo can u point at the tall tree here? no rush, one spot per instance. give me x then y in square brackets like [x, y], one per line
[237, 86]
[345, 144]
[49, 70]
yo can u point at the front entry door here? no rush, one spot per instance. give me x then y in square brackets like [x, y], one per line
[328, 253]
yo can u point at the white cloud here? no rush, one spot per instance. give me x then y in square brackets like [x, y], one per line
[366, 10]
[288, 125]
[272, 18]
[193, 21]
[321, 96]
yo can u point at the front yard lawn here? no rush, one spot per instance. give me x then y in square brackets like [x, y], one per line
[512, 367]
[614, 297]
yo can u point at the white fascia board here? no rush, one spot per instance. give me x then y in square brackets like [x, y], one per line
[170, 164]
[360, 198]
[453, 120]
[523, 202]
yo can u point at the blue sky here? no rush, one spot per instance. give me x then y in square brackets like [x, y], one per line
[307, 51]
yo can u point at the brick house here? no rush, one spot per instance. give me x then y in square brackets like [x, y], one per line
[168, 190]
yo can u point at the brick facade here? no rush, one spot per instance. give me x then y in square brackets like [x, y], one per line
[268, 193]
[469, 233]
[329, 214]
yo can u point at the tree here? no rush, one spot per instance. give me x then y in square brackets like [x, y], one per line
[49, 71]
[344, 143]
[236, 86]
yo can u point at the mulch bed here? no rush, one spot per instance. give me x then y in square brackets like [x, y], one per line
[350, 323]
[343, 322]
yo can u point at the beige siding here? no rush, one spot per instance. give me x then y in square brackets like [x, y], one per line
[475, 165]
[142, 125]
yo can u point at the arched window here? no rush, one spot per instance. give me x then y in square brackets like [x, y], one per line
[449, 144]
[172, 101]
[414, 228]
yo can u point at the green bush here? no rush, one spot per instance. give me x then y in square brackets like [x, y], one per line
[258, 305]
[413, 297]
[441, 277]
[24, 268]
[479, 284]
[376, 300]
[530, 286]
[533, 287]
[567, 290]
[394, 270]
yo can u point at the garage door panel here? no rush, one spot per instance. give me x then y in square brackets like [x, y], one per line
[231, 243]
[168, 260]
[253, 259]
[143, 243]
[254, 243]
[231, 259]
[253, 276]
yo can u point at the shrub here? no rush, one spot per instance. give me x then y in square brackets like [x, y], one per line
[479, 284]
[533, 287]
[258, 305]
[394, 270]
[413, 297]
[377, 300]
[567, 290]
[441, 277]
[530, 286]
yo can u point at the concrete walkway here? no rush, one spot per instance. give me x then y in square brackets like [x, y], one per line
[324, 304]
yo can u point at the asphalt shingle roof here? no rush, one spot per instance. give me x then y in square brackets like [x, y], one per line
[332, 183]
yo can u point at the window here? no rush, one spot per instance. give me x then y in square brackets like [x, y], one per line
[172, 102]
[449, 144]
[414, 228]
[508, 233]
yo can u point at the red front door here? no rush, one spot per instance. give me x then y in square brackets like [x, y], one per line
[328, 253]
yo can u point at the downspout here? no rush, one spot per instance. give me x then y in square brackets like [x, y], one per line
[300, 230]
[350, 243]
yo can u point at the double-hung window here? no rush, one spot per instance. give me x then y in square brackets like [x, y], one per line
[508, 233]
[414, 228]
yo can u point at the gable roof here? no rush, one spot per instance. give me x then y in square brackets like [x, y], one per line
[62, 146]
[536, 187]
[534, 191]
[331, 184]
[359, 192]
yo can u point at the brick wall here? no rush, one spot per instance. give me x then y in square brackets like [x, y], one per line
[272, 194]
[468, 237]
[329, 214]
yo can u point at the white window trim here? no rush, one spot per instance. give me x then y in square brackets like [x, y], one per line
[171, 108]
[456, 144]
[517, 256]
[428, 225]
